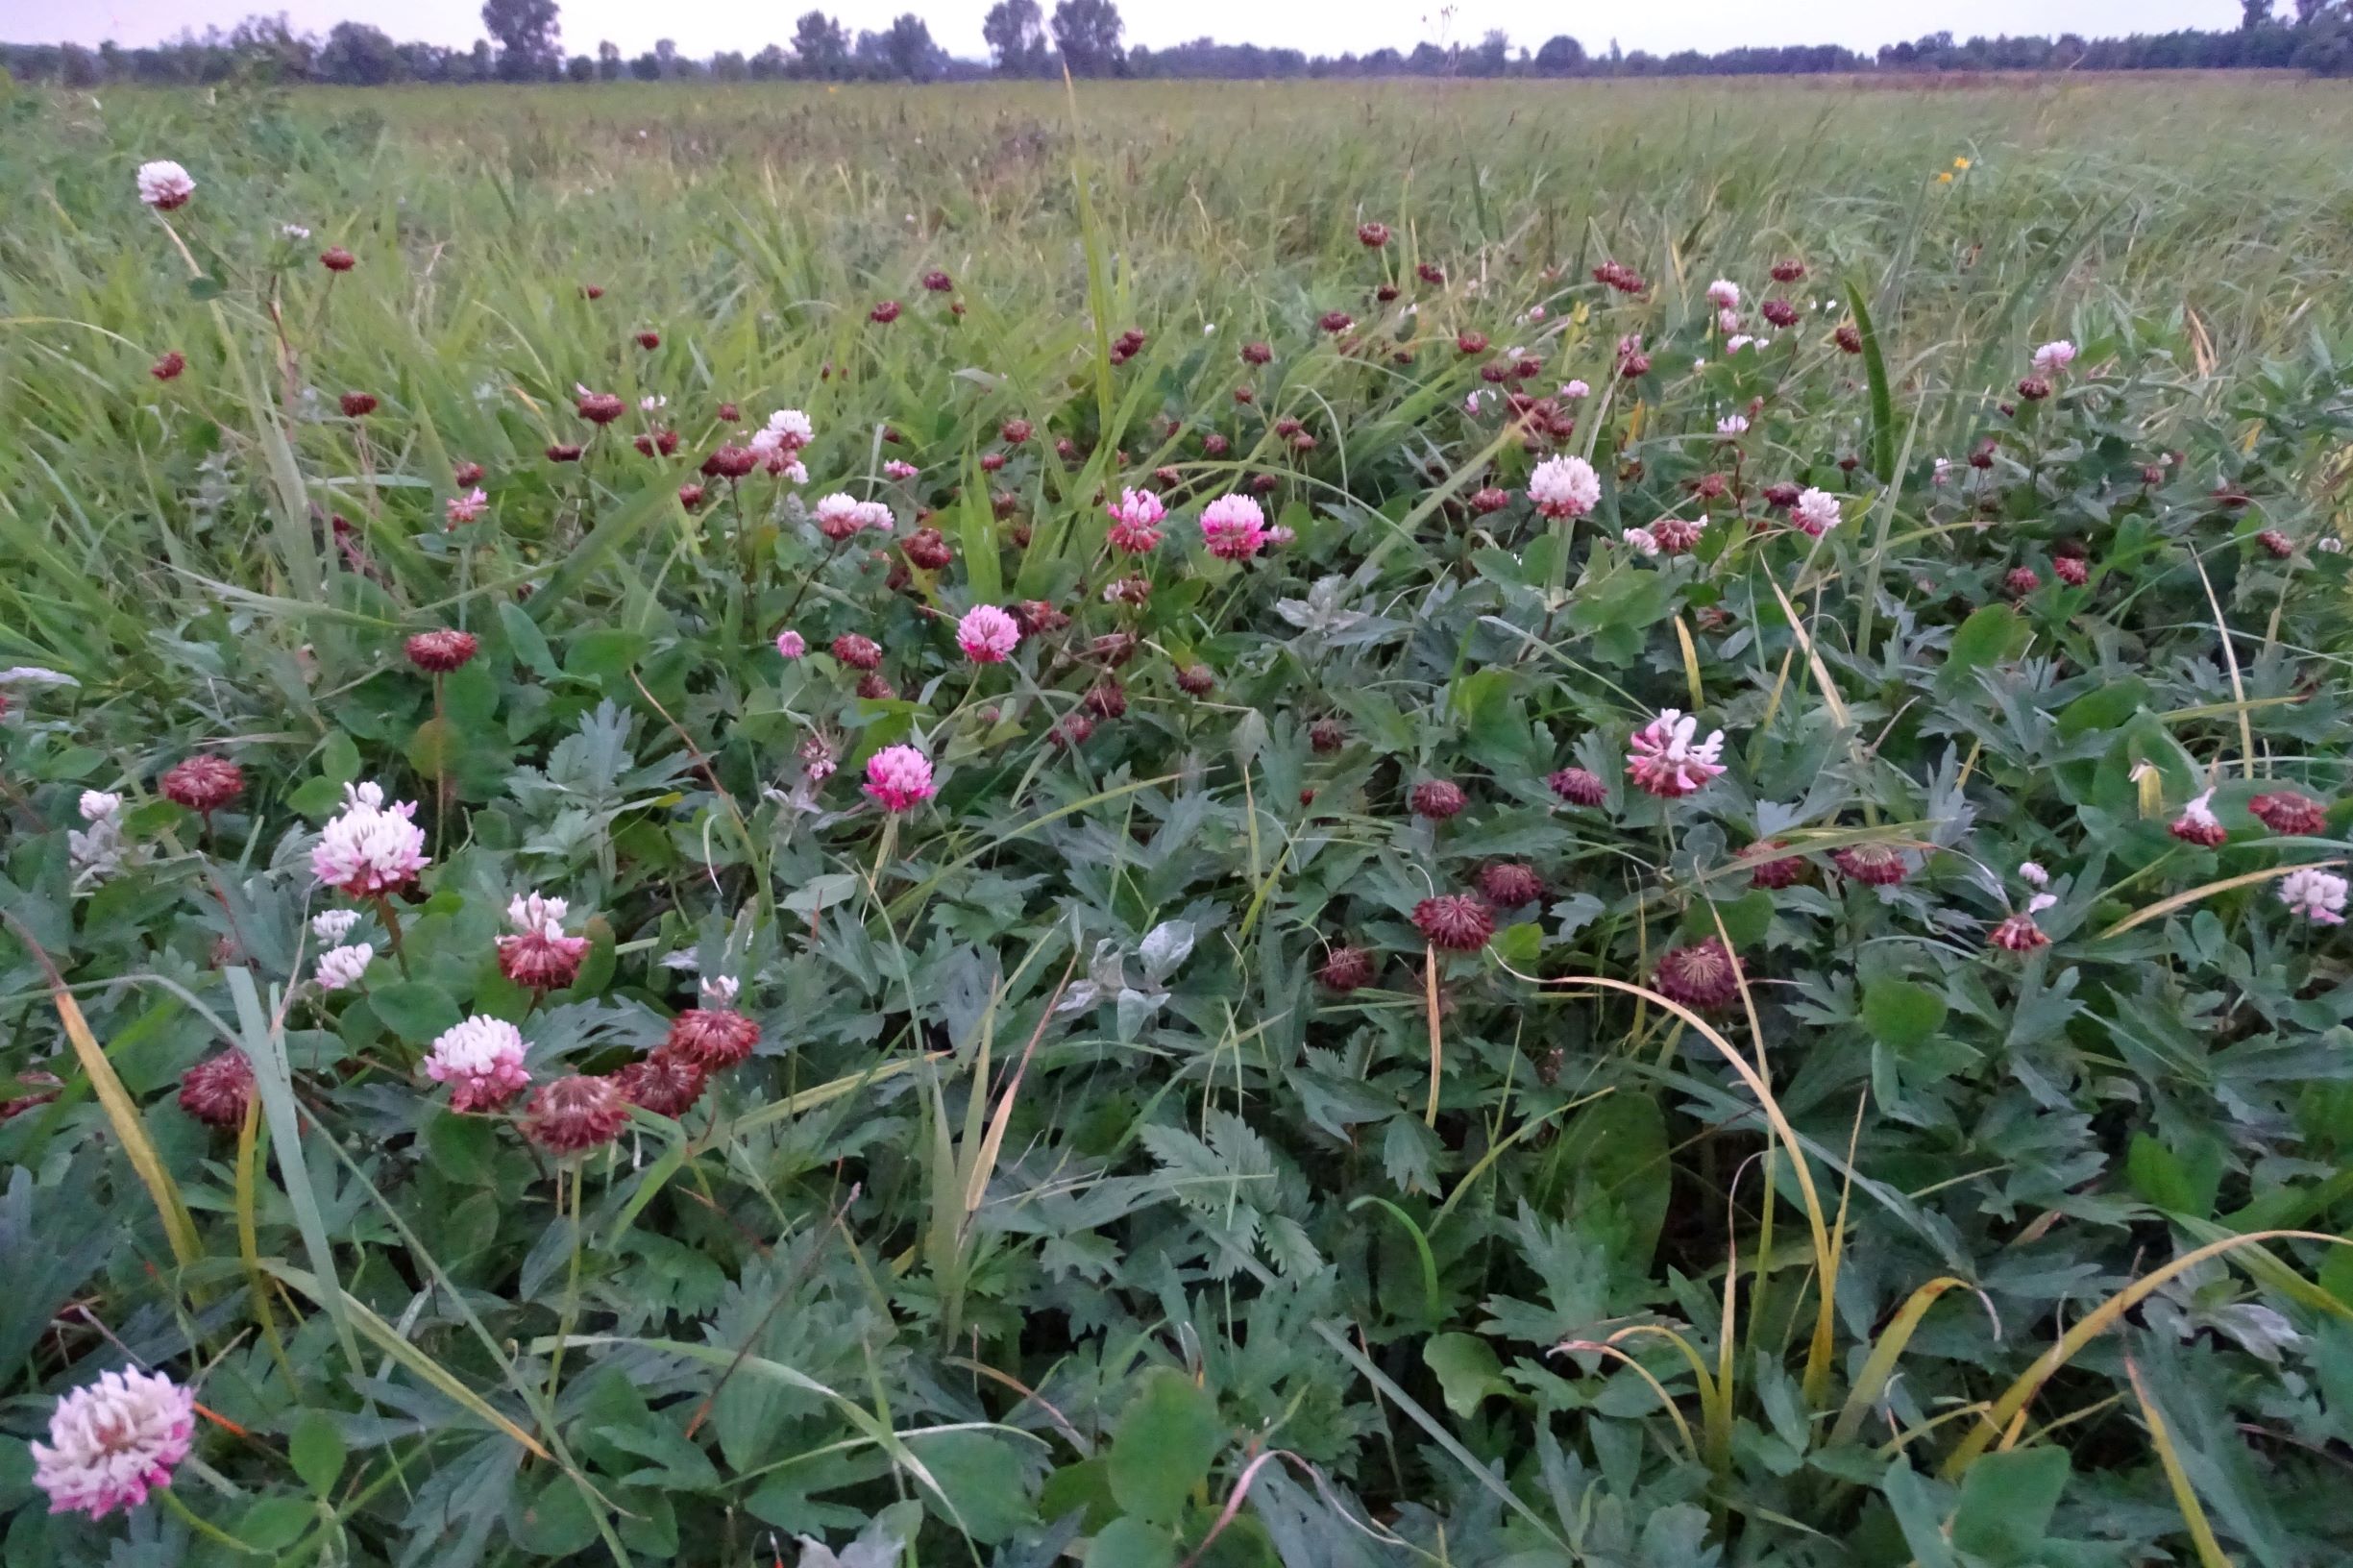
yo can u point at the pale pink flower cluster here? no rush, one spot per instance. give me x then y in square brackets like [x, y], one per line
[2319, 896]
[1724, 294]
[112, 1441]
[778, 445]
[369, 849]
[333, 925]
[1731, 424]
[1664, 759]
[1642, 540]
[987, 634]
[1815, 513]
[530, 913]
[481, 1061]
[789, 644]
[2032, 874]
[898, 468]
[1564, 488]
[1573, 390]
[468, 507]
[1135, 522]
[899, 776]
[1233, 527]
[839, 516]
[1727, 322]
[164, 185]
[2053, 356]
[342, 968]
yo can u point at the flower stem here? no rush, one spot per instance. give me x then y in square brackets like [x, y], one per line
[392, 932]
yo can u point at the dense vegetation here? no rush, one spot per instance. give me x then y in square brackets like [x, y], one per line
[882, 818]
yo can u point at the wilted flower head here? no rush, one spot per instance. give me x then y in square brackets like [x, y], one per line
[1564, 488]
[164, 185]
[2319, 896]
[204, 782]
[2199, 824]
[1135, 522]
[218, 1089]
[112, 1441]
[2017, 934]
[442, 650]
[1347, 969]
[713, 1035]
[481, 1061]
[576, 1114]
[340, 969]
[1507, 884]
[1437, 799]
[665, 1083]
[2286, 811]
[1704, 977]
[2053, 356]
[539, 956]
[1664, 759]
[1233, 527]
[1579, 787]
[1456, 922]
[987, 634]
[1876, 865]
[899, 776]
[1815, 513]
[1674, 535]
[369, 850]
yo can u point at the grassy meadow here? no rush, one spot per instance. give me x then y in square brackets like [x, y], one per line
[1177, 824]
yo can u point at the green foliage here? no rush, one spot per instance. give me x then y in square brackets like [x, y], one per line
[1134, 1164]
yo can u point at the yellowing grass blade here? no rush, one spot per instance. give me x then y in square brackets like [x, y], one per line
[2192, 1512]
[1822, 675]
[2166, 905]
[122, 1112]
[2001, 1419]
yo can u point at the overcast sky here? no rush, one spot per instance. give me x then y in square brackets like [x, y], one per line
[1318, 25]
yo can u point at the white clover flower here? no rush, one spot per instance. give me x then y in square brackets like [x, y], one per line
[100, 805]
[112, 1441]
[720, 991]
[1815, 513]
[2319, 896]
[164, 185]
[332, 925]
[294, 232]
[529, 913]
[369, 850]
[1642, 539]
[1724, 294]
[1731, 424]
[2031, 873]
[340, 968]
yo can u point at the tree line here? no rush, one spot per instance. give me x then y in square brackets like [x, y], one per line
[525, 44]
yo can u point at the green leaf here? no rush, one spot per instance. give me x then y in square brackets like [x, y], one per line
[1466, 1368]
[556, 1522]
[1988, 636]
[275, 1523]
[526, 642]
[1913, 1499]
[339, 759]
[981, 1474]
[2184, 1182]
[1882, 399]
[1900, 1013]
[604, 651]
[415, 1010]
[2006, 1503]
[1166, 1438]
[1131, 1543]
[1083, 1488]
[205, 287]
[317, 1451]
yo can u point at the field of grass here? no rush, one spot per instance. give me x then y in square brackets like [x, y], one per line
[918, 1010]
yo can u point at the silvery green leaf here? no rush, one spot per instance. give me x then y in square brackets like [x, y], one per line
[1166, 946]
[821, 893]
[1106, 969]
[1136, 1010]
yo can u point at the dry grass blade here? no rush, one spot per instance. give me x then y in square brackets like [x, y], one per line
[2210, 1553]
[122, 1113]
[2004, 1417]
[2181, 901]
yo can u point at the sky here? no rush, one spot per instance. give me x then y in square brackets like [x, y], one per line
[1318, 25]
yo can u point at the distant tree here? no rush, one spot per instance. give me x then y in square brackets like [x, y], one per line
[1559, 55]
[1014, 31]
[358, 55]
[768, 64]
[1493, 53]
[1088, 32]
[608, 61]
[526, 32]
[666, 56]
[580, 68]
[908, 46]
[2254, 14]
[646, 68]
[821, 46]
